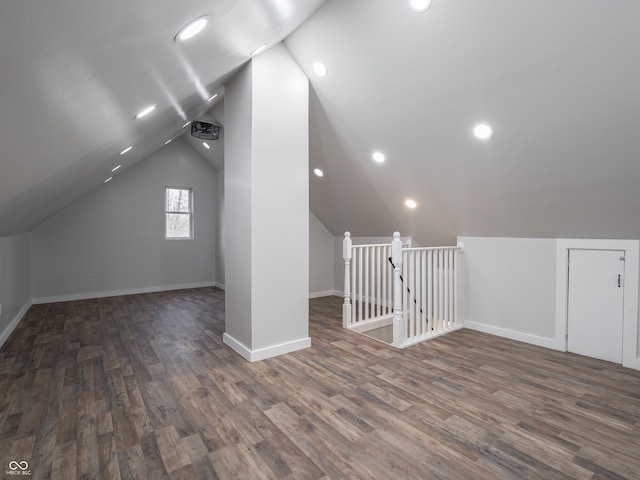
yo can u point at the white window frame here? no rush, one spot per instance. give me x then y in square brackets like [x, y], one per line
[190, 213]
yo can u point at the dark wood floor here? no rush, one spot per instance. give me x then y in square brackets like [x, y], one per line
[142, 387]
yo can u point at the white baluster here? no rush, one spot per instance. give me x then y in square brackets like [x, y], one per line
[383, 294]
[440, 289]
[378, 280]
[430, 291]
[452, 294]
[367, 261]
[360, 292]
[423, 293]
[446, 289]
[413, 301]
[346, 254]
[396, 258]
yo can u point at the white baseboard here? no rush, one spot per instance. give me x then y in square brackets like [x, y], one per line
[326, 293]
[514, 335]
[220, 285]
[117, 293]
[264, 353]
[14, 323]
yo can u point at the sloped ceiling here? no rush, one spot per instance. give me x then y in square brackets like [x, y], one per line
[558, 81]
[73, 75]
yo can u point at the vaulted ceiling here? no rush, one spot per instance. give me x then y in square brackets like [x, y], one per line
[557, 81]
[73, 74]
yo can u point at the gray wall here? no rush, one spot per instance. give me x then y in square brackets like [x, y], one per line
[220, 235]
[321, 258]
[116, 233]
[237, 191]
[506, 287]
[15, 281]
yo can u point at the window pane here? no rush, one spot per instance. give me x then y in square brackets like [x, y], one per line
[177, 200]
[178, 225]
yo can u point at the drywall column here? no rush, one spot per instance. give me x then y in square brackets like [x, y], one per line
[15, 282]
[267, 207]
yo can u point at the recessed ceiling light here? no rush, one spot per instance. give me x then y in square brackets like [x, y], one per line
[125, 150]
[318, 172]
[259, 50]
[320, 69]
[206, 145]
[192, 28]
[212, 97]
[420, 6]
[483, 131]
[378, 157]
[145, 111]
[168, 141]
[116, 168]
[410, 203]
[108, 179]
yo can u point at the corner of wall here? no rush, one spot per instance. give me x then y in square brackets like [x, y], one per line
[8, 330]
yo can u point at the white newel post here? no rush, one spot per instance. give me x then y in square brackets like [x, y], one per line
[396, 258]
[459, 249]
[346, 254]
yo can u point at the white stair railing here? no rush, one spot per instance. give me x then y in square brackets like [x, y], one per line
[412, 289]
[368, 284]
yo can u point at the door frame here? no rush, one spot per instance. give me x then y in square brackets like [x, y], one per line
[630, 308]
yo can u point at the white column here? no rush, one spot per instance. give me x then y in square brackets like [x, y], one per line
[346, 254]
[267, 207]
[398, 316]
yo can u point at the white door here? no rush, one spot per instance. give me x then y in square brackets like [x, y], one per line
[595, 309]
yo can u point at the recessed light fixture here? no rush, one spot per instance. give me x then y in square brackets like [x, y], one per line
[378, 157]
[318, 172]
[483, 131]
[192, 28]
[108, 180]
[125, 150]
[410, 203]
[212, 97]
[168, 141]
[320, 69]
[259, 50]
[420, 6]
[206, 145]
[116, 168]
[145, 111]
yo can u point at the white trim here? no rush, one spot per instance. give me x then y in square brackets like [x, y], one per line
[221, 286]
[372, 324]
[421, 339]
[326, 293]
[117, 293]
[631, 281]
[264, 353]
[514, 335]
[14, 323]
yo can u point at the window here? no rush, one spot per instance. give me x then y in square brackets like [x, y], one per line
[178, 213]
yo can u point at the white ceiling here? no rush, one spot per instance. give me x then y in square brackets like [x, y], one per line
[558, 81]
[73, 75]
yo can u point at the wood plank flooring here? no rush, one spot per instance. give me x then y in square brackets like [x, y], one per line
[141, 387]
